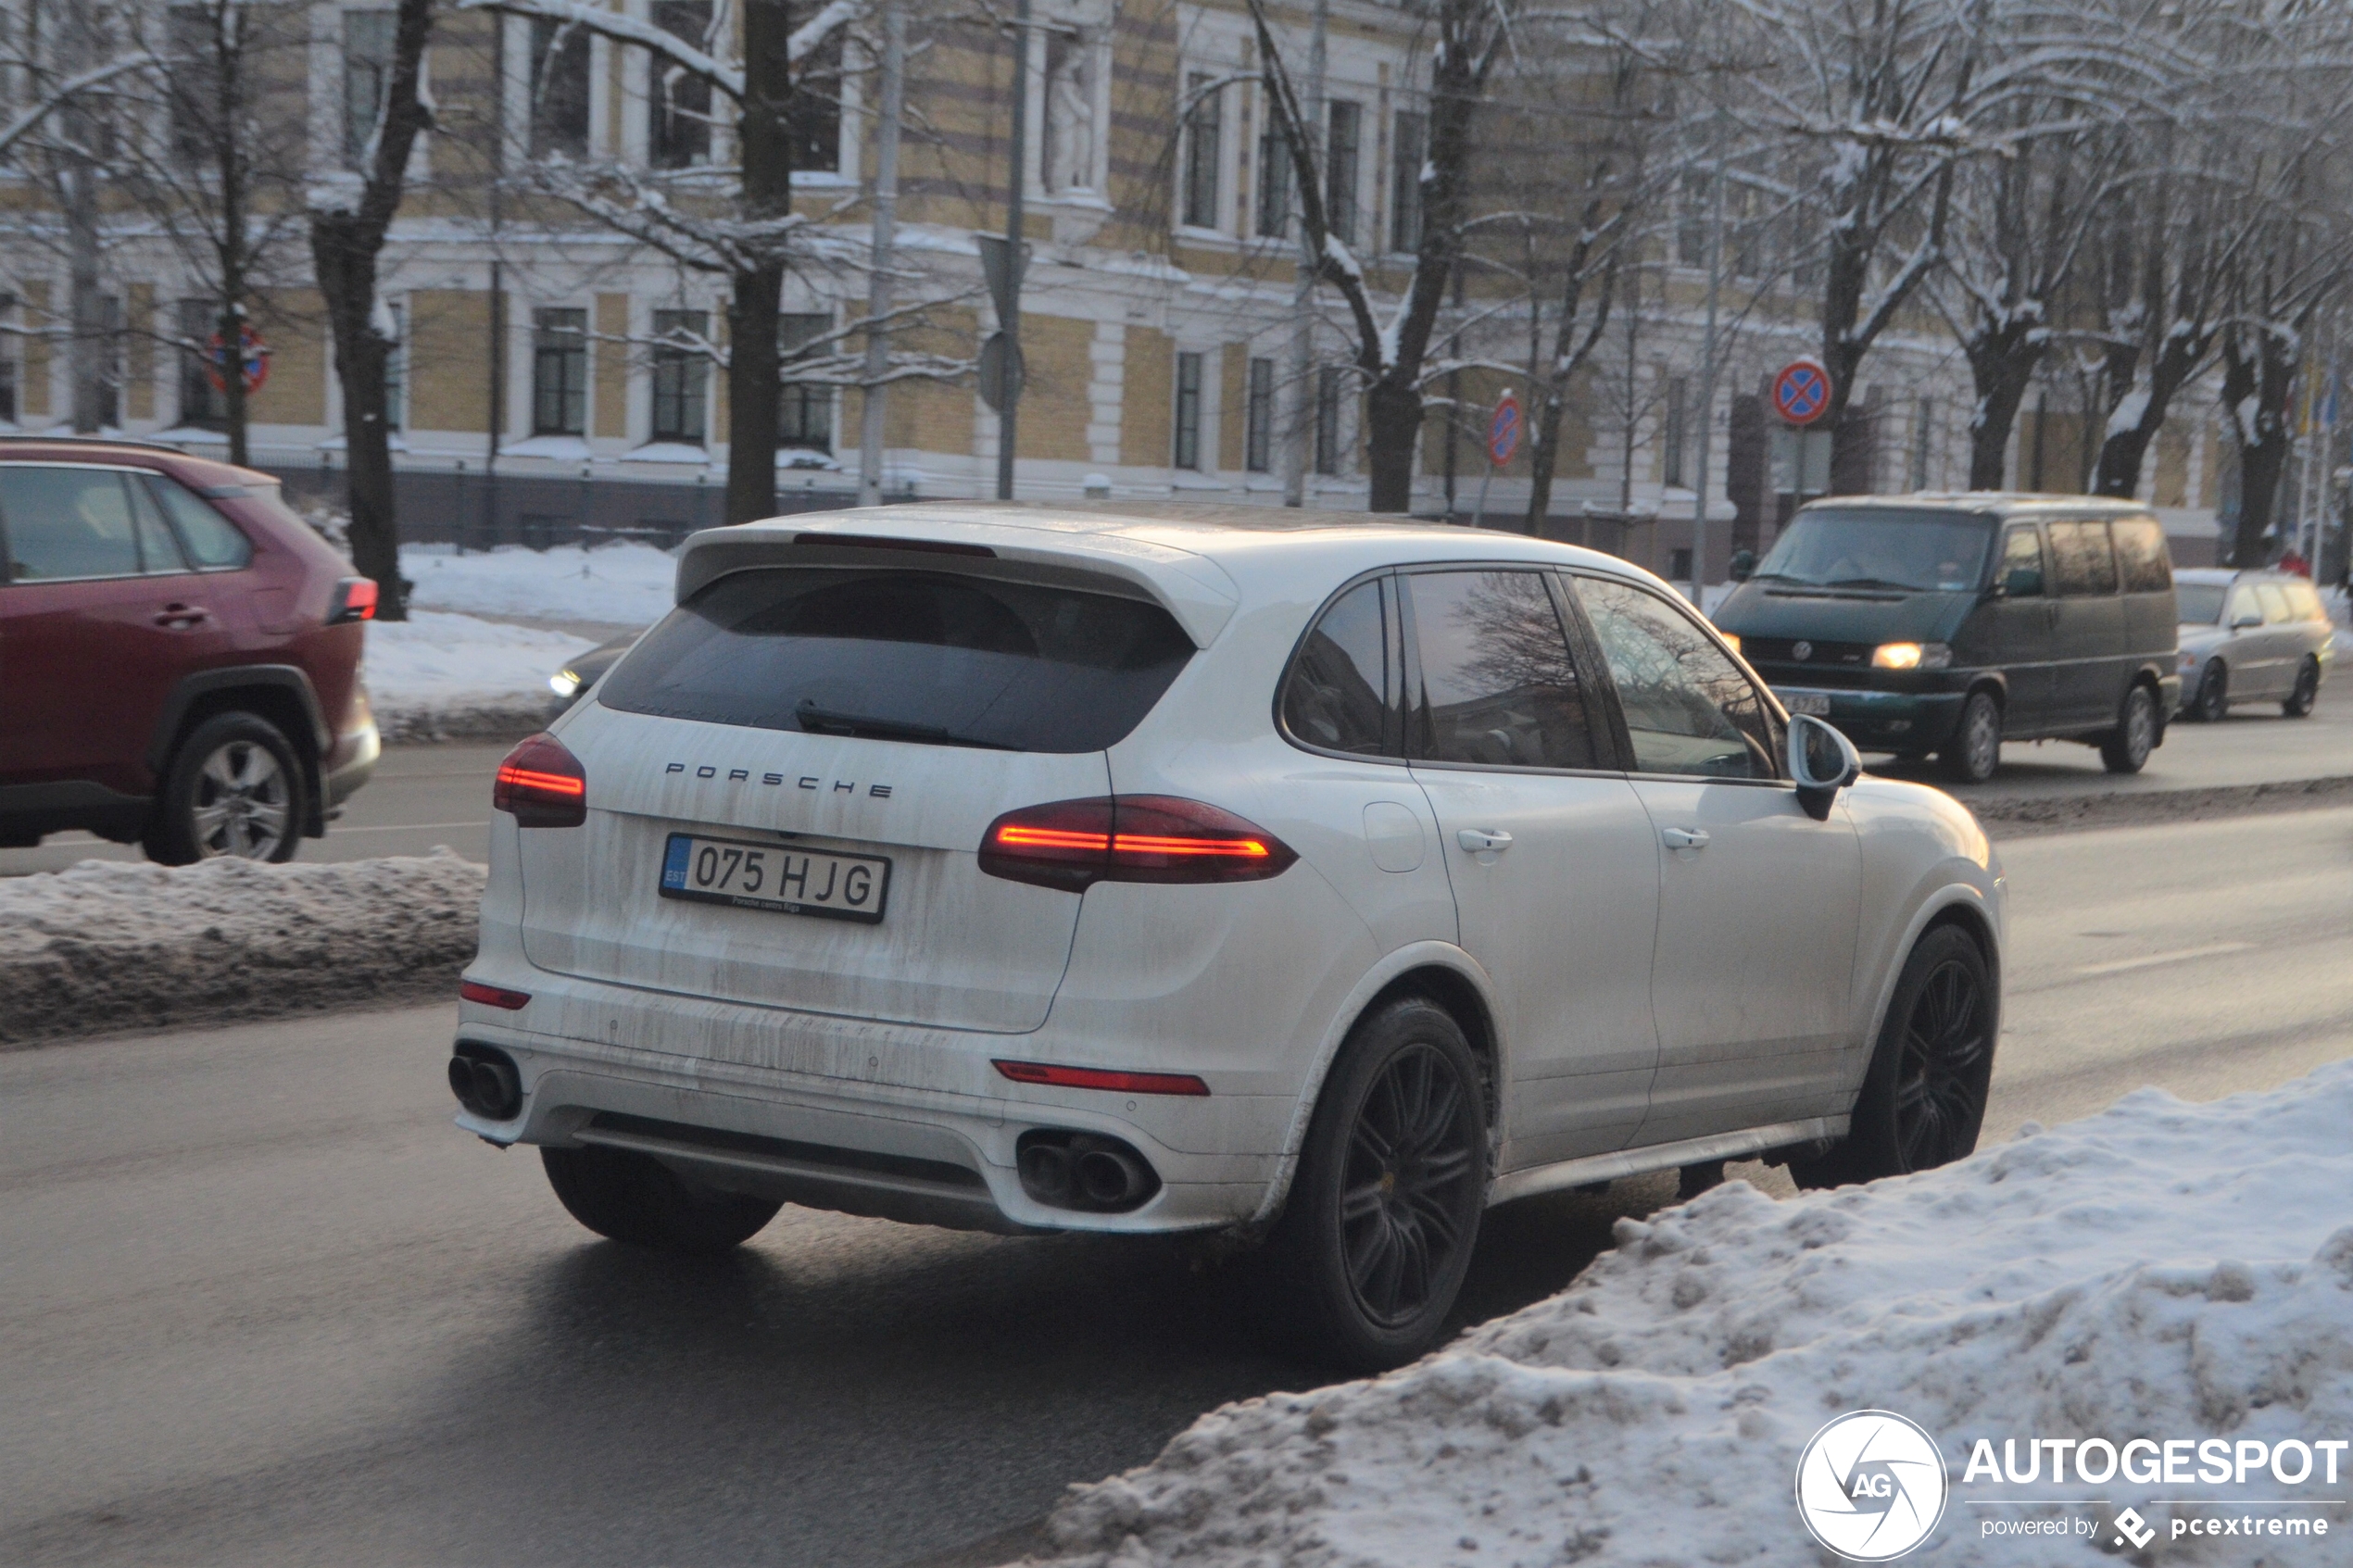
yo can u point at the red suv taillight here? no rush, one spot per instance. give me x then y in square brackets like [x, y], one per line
[355, 599]
[1075, 844]
[542, 784]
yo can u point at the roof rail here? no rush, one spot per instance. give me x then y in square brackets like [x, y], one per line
[70, 439]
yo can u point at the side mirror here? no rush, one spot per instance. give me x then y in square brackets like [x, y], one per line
[1743, 563]
[1822, 760]
[2242, 622]
[2022, 582]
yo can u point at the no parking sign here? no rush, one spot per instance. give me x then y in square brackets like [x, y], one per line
[1801, 392]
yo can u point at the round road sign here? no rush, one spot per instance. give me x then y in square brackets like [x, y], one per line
[253, 360]
[1801, 392]
[1502, 430]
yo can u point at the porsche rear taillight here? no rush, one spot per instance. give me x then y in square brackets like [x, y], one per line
[1075, 844]
[542, 786]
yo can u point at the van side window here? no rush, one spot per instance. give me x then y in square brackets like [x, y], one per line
[1341, 688]
[2141, 556]
[2021, 551]
[2081, 558]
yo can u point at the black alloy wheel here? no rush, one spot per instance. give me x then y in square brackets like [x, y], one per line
[1378, 1231]
[2307, 690]
[2212, 703]
[1923, 1099]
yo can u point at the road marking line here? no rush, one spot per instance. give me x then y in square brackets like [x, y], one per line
[409, 827]
[2118, 966]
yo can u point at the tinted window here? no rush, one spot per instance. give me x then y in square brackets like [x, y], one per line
[1688, 708]
[2141, 557]
[1497, 683]
[2021, 551]
[920, 656]
[213, 542]
[2081, 559]
[1339, 693]
[1872, 547]
[2274, 603]
[2201, 603]
[67, 522]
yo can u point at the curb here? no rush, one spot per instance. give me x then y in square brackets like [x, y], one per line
[2027, 816]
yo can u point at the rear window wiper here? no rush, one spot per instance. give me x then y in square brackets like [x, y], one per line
[833, 721]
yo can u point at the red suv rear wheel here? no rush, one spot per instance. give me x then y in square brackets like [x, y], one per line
[233, 787]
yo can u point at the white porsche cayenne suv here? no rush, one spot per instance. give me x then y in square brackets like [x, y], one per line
[1168, 868]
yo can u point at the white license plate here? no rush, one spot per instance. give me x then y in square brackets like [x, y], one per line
[775, 877]
[1815, 703]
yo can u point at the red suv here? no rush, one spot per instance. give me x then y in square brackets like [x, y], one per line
[178, 656]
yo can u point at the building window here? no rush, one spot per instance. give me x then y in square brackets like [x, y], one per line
[1259, 427]
[559, 373]
[1274, 181]
[805, 410]
[1678, 398]
[679, 104]
[367, 78]
[203, 402]
[1340, 139]
[1923, 432]
[816, 111]
[558, 89]
[682, 376]
[1188, 411]
[396, 370]
[1202, 126]
[1691, 214]
[1406, 182]
[1328, 387]
[1679, 564]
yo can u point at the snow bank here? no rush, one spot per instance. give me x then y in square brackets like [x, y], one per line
[438, 676]
[2161, 1270]
[626, 584]
[108, 946]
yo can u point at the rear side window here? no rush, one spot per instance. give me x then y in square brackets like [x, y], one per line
[64, 523]
[1341, 689]
[2081, 558]
[916, 655]
[2141, 558]
[213, 542]
[2303, 598]
[1498, 685]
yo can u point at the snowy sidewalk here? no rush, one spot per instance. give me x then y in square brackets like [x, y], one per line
[106, 945]
[2161, 1270]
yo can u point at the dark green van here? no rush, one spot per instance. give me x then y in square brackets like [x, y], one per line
[1949, 623]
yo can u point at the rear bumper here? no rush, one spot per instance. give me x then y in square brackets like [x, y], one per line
[352, 762]
[926, 1135]
[1877, 720]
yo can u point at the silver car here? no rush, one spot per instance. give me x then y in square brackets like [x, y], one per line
[2250, 636]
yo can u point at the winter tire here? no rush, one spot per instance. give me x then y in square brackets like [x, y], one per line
[1384, 1210]
[1923, 1099]
[2212, 703]
[1975, 750]
[233, 788]
[2126, 748]
[2306, 690]
[635, 1198]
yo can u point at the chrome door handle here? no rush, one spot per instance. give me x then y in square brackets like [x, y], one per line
[1684, 838]
[1477, 839]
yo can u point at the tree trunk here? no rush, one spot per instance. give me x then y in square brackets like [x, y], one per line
[91, 347]
[1393, 417]
[2263, 372]
[229, 63]
[2002, 366]
[753, 394]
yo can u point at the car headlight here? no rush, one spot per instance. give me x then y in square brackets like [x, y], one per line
[1911, 655]
[1731, 640]
[564, 683]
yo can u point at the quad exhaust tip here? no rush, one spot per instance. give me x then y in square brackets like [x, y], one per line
[1083, 1170]
[486, 1082]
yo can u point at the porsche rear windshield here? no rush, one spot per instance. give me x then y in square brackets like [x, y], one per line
[931, 656]
[1894, 547]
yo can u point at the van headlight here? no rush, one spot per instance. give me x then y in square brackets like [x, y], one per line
[1731, 640]
[1911, 655]
[564, 683]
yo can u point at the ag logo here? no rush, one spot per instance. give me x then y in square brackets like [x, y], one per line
[1871, 1485]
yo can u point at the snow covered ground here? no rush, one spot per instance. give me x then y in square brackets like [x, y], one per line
[440, 676]
[623, 584]
[108, 946]
[2161, 1270]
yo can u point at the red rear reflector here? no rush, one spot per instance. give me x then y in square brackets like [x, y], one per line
[542, 784]
[1102, 1078]
[355, 599]
[491, 995]
[1074, 843]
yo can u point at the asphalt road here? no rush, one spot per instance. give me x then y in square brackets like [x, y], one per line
[263, 1305]
[422, 795]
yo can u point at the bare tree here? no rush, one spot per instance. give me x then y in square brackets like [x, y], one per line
[346, 238]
